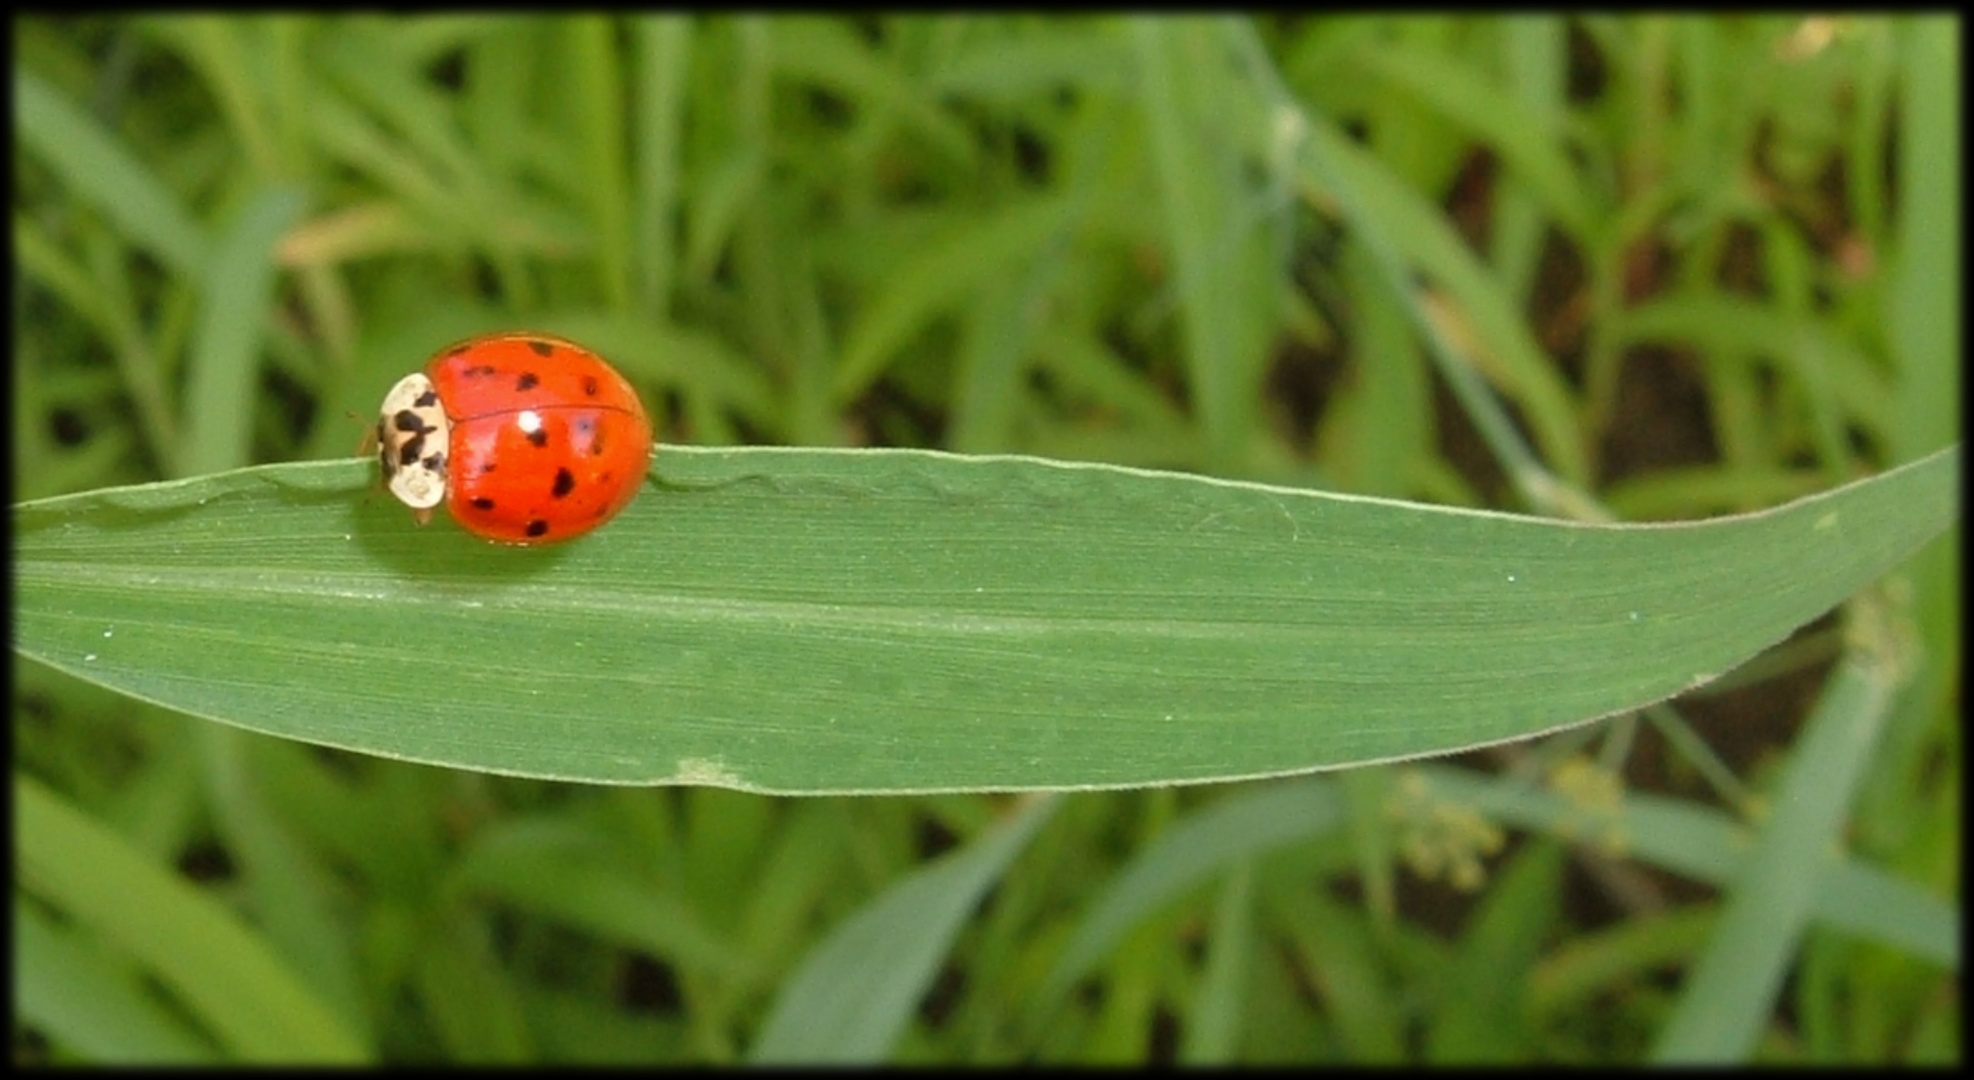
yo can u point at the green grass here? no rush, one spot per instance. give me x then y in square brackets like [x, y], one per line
[297, 781]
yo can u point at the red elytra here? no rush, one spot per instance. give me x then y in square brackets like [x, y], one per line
[527, 438]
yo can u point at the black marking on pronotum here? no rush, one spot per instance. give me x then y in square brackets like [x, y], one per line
[411, 449]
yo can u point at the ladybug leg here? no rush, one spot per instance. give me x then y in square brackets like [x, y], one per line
[369, 441]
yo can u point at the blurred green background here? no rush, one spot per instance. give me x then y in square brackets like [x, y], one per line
[1697, 264]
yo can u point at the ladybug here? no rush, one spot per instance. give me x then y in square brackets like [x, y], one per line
[527, 438]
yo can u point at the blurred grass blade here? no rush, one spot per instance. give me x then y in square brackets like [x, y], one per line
[225, 355]
[1925, 298]
[1709, 846]
[93, 1001]
[799, 620]
[470, 994]
[1240, 827]
[596, 87]
[563, 873]
[248, 996]
[828, 53]
[1501, 936]
[1731, 992]
[945, 274]
[661, 56]
[1226, 333]
[854, 994]
[104, 173]
[277, 875]
[1213, 1034]
[1529, 142]
[1464, 311]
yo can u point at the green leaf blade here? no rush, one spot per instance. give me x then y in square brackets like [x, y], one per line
[886, 621]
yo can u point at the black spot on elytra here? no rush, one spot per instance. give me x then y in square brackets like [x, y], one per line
[527, 381]
[539, 437]
[565, 482]
[537, 528]
[590, 388]
[483, 503]
[542, 348]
